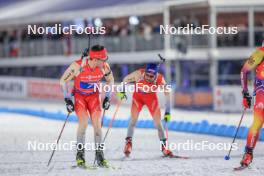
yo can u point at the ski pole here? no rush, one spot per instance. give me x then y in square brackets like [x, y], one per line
[112, 120]
[85, 53]
[162, 60]
[101, 126]
[103, 118]
[167, 131]
[227, 157]
[54, 149]
[110, 125]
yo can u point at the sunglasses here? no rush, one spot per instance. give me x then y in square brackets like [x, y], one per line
[149, 75]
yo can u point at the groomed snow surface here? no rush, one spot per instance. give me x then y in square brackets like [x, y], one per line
[146, 159]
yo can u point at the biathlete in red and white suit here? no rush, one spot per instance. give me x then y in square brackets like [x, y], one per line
[147, 82]
[87, 73]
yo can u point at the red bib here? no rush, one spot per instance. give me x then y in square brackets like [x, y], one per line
[88, 79]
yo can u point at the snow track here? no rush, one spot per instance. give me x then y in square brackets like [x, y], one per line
[16, 130]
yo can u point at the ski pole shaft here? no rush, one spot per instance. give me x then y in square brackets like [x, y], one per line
[102, 122]
[167, 131]
[234, 139]
[110, 125]
[53, 151]
[101, 126]
[162, 60]
[89, 42]
[111, 122]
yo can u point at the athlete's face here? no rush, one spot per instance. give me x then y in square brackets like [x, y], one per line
[99, 63]
[149, 77]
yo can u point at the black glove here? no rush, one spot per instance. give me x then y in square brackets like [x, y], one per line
[246, 100]
[69, 105]
[106, 103]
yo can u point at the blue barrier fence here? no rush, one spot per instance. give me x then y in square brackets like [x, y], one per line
[203, 127]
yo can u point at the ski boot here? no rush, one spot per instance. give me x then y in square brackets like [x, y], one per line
[248, 157]
[128, 146]
[164, 149]
[101, 161]
[80, 156]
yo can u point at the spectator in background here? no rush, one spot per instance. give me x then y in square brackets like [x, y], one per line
[156, 27]
[13, 45]
[259, 33]
[195, 22]
[115, 30]
[2, 44]
[242, 39]
[124, 31]
[177, 22]
[67, 44]
[147, 30]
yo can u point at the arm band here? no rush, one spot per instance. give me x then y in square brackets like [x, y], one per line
[107, 74]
